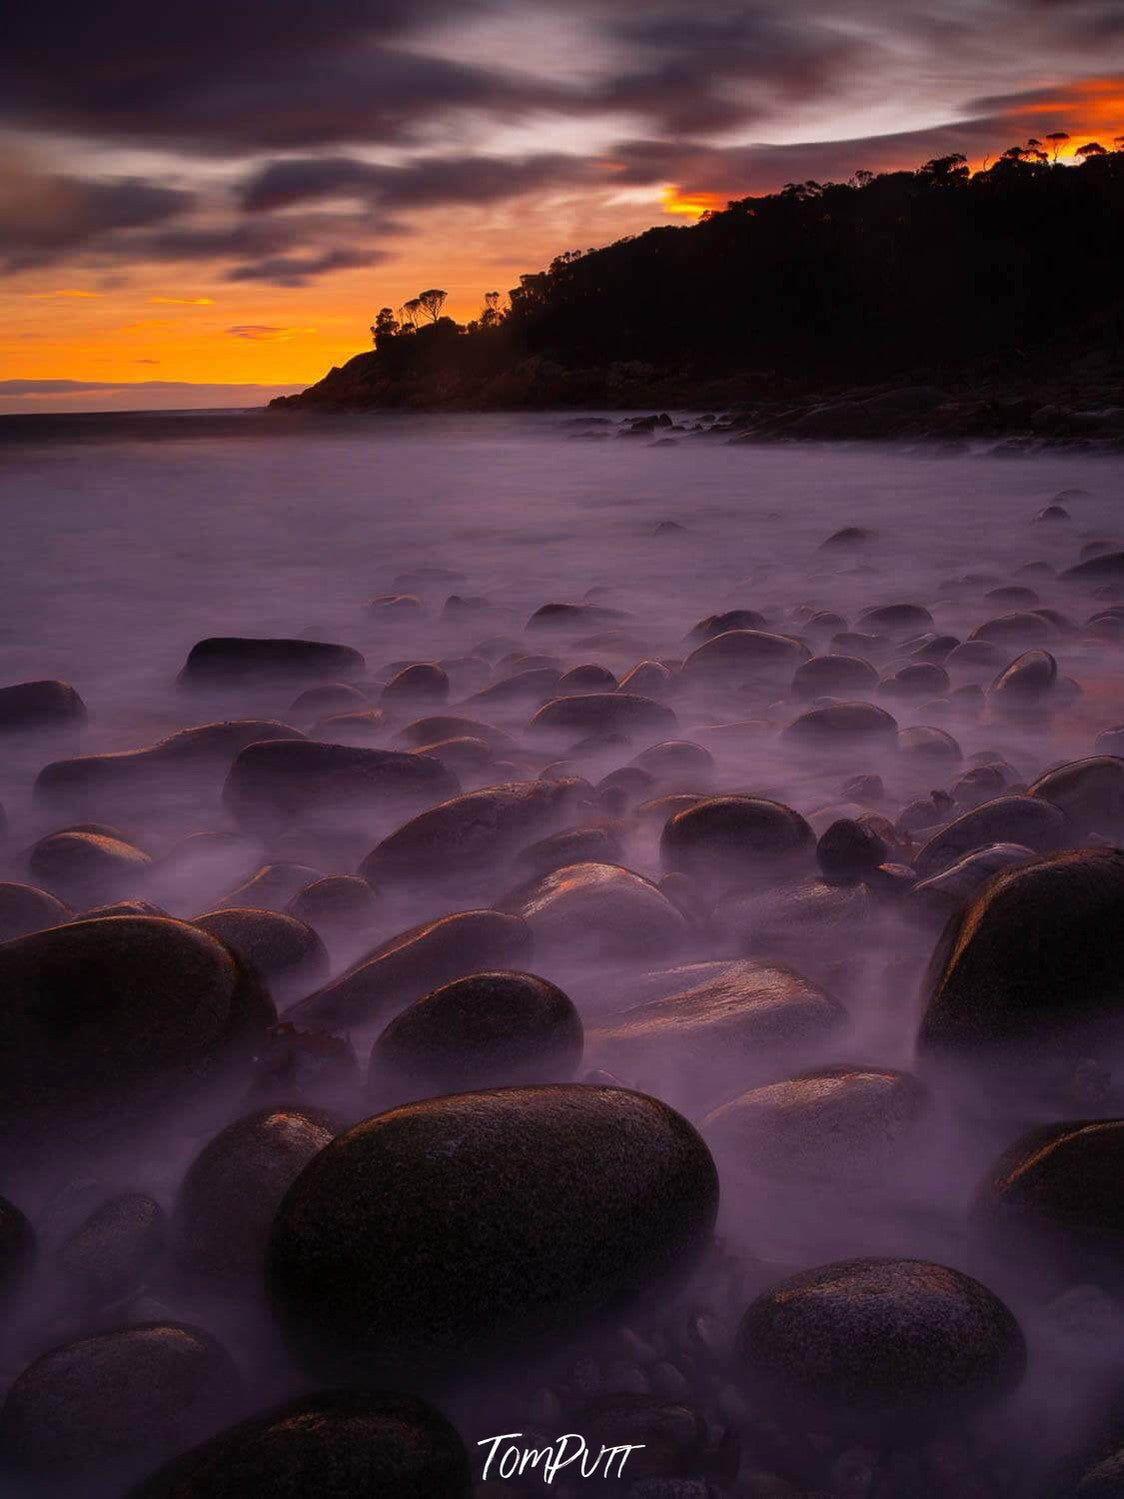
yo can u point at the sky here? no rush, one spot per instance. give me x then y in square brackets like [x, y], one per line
[206, 204]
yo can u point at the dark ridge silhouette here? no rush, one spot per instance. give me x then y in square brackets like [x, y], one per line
[1003, 283]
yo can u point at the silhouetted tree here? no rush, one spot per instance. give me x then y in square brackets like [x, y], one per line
[385, 325]
[1091, 148]
[1057, 139]
[410, 313]
[431, 302]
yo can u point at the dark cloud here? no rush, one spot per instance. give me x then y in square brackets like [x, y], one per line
[422, 183]
[45, 216]
[299, 270]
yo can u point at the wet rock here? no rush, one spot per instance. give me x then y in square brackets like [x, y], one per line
[848, 538]
[833, 674]
[227, 1201]
[573, 616]
[677, 760]
[926, 743]
[92, 1415]
[598, 844]
[842, 724]
[223, 660]
[408, 965]
[1103, 1481]
[942, 895]
[1054, 1198]
[1089, 792]
[337, 905]
[328, 697]
[598, 908]
[441, 726]
[1015, 630]
[1025, 685]
[895, 618]
[733, 619]
[647, 678]
[850, 1123]
[746, 655]
[187, 763]
[346, 1444]
[81, 867]
[920, 679]
[24, 909]
[394, 605]
[40, 705]
[486, 1030]
[880, 1345]
[740, 1012]
[974, 657]
[980, 784]
[991, 985]
[556, 1204]
[587, 678]
[306, 1066]
[603, 713]
[933, 647]
[533, 685]
[1033, 822]
[732, 838]
[865, 788]
[79, 1031]
[807, 921]
[363, 727]
[111, 1253]
[1050, 513]
[270, 888]
[475, 833]
[17, 1248]
[282, 780]
[848, 850]
[284, 951]
[1110, 741]
[1108, 568]
[424, 682]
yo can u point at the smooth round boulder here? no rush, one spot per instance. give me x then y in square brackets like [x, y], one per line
[17, 1248]
[923, 742]
[677, 760]
[747, 654]
[1110, 741]
[82, 867]
[439, 726]
[1033, 965]
[423, 682]
[732, 619]
[1089, 792]
[40, 705]
[109, 1254]
[601, 909]
[1015, 630]
[847, 538]
[486, 1030]
[648, 678]
[920, 679]
[571, 616]
[343, 1444]
[552, 1206]
[1104, 569]
[238, 660]
[1033, 822]
[599, 843]
[841, 725]
[284, 951]
[25, 908]
[733, 838]
[97, 1413]
[282, 780]
[338, 904]
[974, 658]
[603, 713]
[228, 1199]
[829, 675]
[896, 618]
[879, 1346]
[328, 697]
[1025, 685]
[850, 849]
[1056, 1198]
[943, 895]
[80, 1029]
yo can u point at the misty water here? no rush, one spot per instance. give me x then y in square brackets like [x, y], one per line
[121, 554]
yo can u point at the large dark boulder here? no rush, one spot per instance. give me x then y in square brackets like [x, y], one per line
[40, 705]
[1108, 568]
[88, 1417]
[747, 654]
[1056, 1197]
[406, 966]
[344, 1444]
[82, 867]
[112, 1251]
[25, 908]
[486, 1030]
[17, 1248]
[279, 780]
[444, 1233]
[286, 953]
[881, 1346]
[600, 909]
[603, 713]
[842, 726]
[1035, 962]
[231, 659]
[1032, 822]
[833, 675]
[1025, 686]
[474, 834]
[117, 1011]
[733, 838]
[227, 1201]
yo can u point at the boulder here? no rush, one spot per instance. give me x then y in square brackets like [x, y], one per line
[235, 660]
[925, 743]
[841, 725]
[285, 952]
[345, 1444]
[732, 619]
[553, 1205]
[339, 905]
[733, 838]
[599, 843]
[1025, 685]
[1089, 792]
[747, 654]
[573, 616]
[603, 713]
[597, 909]
[1033, 822]
[80, 1029]
[1015, 630]
[850, 849]
[1108, 568]
[286, 779]
[17, 1248]
[93, 1415]
[423, 682]
[40, 705]
[895, 619]
[486, 1030]
[24, 909]
[82, 867]
[474, 834]
[881, 1346]
[227, 1201]
[943, 895]
[408, 965]
[829, 675]
[110, 1254]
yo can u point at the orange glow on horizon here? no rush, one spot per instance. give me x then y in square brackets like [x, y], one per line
[678, 200]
